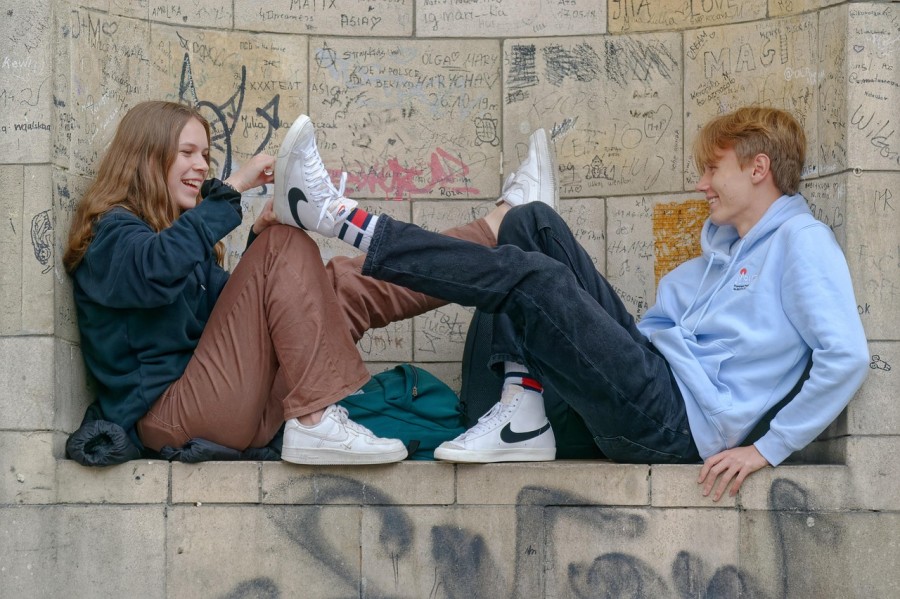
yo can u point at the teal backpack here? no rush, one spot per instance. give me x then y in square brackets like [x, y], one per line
[410, 404]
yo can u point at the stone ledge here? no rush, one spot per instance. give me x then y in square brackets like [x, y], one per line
[561, 483]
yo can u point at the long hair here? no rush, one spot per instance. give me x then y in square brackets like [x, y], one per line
[132, 174]
[756, 130]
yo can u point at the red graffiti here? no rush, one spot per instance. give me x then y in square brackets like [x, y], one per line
[444, 173]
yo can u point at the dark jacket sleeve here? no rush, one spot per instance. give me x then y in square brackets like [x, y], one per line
[131, 266]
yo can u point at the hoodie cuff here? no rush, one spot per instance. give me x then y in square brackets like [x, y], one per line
[771, 447]
[216, 191]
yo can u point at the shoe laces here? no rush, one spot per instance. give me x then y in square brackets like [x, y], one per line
[488, 420]
[318, 181]
[343, 417]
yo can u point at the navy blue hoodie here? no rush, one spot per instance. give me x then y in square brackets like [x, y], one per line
[143, 299]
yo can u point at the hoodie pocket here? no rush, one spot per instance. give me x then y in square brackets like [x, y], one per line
[712, 394]
[697, 366]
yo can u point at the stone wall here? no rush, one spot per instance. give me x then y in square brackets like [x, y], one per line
[426, 104]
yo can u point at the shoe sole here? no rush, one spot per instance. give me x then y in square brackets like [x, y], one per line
[487, 456]
[337, 457]
[282, 212]
[542, 142]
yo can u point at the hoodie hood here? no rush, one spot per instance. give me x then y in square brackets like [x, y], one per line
[720, 244]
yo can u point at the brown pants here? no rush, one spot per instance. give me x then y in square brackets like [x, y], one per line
[280, 342]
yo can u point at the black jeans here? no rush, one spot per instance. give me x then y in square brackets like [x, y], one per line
[563, 320]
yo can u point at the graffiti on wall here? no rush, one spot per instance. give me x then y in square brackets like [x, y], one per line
[465, 562]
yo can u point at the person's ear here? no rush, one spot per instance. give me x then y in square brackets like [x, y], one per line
[762, 166]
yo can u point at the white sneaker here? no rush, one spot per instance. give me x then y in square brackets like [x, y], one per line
[337, 440]
[305, 197]
[535, 179]
[515, 432]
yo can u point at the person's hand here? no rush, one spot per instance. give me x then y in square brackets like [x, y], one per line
[737, 464]
[265, 219]
[258, 171]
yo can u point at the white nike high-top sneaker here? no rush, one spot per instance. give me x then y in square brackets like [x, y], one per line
[516, 429]
[304, 196]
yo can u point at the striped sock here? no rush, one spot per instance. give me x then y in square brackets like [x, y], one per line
[357, 229]
[521, 379]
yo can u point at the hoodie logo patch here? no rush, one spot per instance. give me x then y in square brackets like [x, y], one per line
[743, 280]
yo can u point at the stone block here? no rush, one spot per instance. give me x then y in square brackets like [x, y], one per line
[781, 8]
[92, 551]
[67, 191]
[607, 552]
[249, 87]
[873, 86]
[38, 245]
[833, 116]
[647, 236]
[462, 551]
[262, 551]
[138, 481]
[875, 409]
[417, 119]
[873, 251]
[586, 218]
[217, 14]
[827, 198]
[484, 18]
[63, 122]
[630, 16]
[676, 486]
[354, 19]
[611, 104]
[440, 335]
[27, 467]
[553, 483]
[109, 74]
[798, 552]
[772, 62]
[27, 246]
[26, 80]
[826, 487]
[403, 483]
[216, 482]
[12, 180]
[26, 383]
[129, 8]
[72, 393]
[874, 475]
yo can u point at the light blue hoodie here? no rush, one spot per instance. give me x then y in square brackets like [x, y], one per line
[737, 326]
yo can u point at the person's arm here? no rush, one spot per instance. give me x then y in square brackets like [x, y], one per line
[128, 265]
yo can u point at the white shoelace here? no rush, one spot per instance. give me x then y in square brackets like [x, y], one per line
[319, 182]
[488, 420]
[344, 418]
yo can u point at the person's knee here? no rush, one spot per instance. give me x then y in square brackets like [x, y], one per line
[527, 219]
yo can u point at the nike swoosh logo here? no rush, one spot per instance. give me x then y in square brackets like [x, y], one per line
[507, 435]
[296, 196]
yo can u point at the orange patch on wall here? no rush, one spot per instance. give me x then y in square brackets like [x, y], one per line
[676, 233]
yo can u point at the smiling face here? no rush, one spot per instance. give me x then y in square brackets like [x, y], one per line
[190, 167]
[729, 187]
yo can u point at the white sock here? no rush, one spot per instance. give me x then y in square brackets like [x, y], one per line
[357, 229]
[517, 374]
